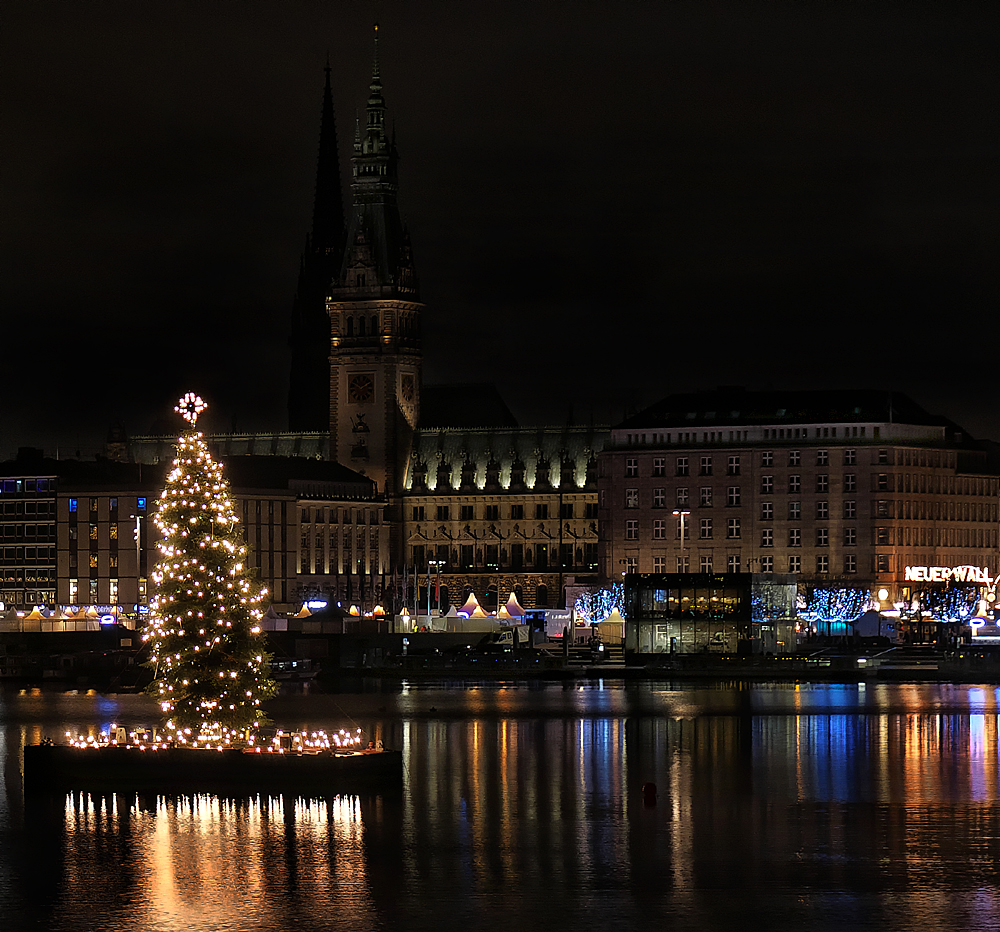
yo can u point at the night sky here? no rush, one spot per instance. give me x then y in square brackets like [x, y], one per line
[609, 202]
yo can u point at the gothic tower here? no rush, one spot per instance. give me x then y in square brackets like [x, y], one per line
[308, 395]
[374, 316]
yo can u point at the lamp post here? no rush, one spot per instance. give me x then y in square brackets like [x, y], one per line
[137, 534]
[682, 515]
[437, 564]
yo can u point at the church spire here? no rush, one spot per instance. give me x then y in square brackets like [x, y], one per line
[328, 208]
[375, 129]
[308, 394]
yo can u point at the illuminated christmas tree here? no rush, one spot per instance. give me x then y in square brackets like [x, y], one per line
[211, 667]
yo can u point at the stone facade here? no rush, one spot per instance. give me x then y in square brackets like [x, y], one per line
[844, 488]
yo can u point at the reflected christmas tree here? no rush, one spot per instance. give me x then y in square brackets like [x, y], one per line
[211, 667]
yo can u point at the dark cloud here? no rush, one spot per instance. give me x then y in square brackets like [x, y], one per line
[608, 201]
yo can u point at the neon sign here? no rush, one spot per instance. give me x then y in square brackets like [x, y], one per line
[970, 574]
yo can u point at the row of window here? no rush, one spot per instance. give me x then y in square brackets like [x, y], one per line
[17, 554]
[319, 516]
[74, 505]
[769, 433]
[683, 465]
[23, 531]
[22, 507]
[733, 500]
[515, 557]
[883, 536]
[27, 486]
[31, 575]
[765, 564]
[516, 512]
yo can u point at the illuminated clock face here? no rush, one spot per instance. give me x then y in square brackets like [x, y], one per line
[361, 389]
[407, 388]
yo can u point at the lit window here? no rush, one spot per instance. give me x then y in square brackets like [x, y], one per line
[72, 504]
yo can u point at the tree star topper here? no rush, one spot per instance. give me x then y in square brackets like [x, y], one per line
[189, 407]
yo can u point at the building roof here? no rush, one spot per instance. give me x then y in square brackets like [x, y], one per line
[737, 406]
[304, 444]
[303, 477]
[465, 405]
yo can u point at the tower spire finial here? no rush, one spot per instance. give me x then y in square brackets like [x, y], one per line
[375, 76]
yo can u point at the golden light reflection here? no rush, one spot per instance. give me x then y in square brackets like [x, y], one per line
[199, 857]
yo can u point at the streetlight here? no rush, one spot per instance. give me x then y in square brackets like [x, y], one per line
[437, 564]
[682, 515]
[137, 534]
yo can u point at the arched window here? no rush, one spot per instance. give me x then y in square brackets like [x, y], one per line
[350, 326]
[374, 325]
[361, 326]
[542, 596]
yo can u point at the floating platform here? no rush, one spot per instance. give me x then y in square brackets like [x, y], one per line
[173, 769]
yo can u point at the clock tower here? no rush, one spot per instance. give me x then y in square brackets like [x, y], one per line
[374, 309]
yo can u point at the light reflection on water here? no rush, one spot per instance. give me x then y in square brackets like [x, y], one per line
[821, 806]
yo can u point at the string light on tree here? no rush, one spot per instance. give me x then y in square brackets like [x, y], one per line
[211, 666]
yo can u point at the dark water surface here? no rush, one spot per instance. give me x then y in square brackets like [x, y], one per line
[780, 806]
